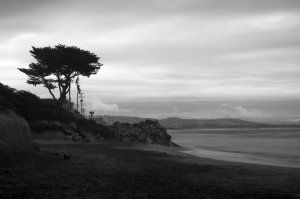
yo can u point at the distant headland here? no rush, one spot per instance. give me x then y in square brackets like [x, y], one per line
[179, 123]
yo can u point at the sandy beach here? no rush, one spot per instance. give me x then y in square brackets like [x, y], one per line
[109, 169]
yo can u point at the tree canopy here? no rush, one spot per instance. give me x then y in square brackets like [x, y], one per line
[56, 67]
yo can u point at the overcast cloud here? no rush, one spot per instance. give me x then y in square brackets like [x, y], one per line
[167, 50]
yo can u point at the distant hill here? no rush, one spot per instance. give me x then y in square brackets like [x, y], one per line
[178, 123]
[123, 119]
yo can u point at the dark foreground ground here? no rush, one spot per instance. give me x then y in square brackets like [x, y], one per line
[108, 170]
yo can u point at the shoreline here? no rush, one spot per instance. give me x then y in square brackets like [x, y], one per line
[193, 154]
[240, 158]
[229, 157]
[270, 147]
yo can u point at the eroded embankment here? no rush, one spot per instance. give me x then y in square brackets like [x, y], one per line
[15, 139]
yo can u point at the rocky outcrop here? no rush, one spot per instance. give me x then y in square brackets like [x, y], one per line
[56, 130]
[149, 131]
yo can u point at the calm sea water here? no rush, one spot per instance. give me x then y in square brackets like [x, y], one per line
[278, 147]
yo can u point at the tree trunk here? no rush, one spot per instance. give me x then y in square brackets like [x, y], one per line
[63, 96]
[70, 92]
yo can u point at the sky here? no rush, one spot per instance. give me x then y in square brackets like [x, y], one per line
[167, 58]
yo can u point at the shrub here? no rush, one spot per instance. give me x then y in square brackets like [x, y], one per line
[31, 107]
[15, 139]
[93, 127]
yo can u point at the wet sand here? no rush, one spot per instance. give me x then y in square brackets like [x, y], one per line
[110, 169]
[216, 155]
[243, 158]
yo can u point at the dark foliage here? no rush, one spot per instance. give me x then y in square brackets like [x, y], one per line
[31, 107]
[95, 128]
[57, 67]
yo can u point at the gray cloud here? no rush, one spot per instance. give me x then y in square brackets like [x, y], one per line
[162, 49]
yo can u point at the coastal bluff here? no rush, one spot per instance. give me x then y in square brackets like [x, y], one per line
[148, 131]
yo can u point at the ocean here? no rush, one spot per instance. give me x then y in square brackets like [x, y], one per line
[269, 146]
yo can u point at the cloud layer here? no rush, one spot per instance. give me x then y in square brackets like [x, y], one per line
[163, 50]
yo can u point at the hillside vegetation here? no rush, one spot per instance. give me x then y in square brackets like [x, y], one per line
[31, 107]
[15, 139]
[34, 109]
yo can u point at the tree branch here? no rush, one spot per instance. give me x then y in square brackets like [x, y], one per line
[64, 63]
[50, 91]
